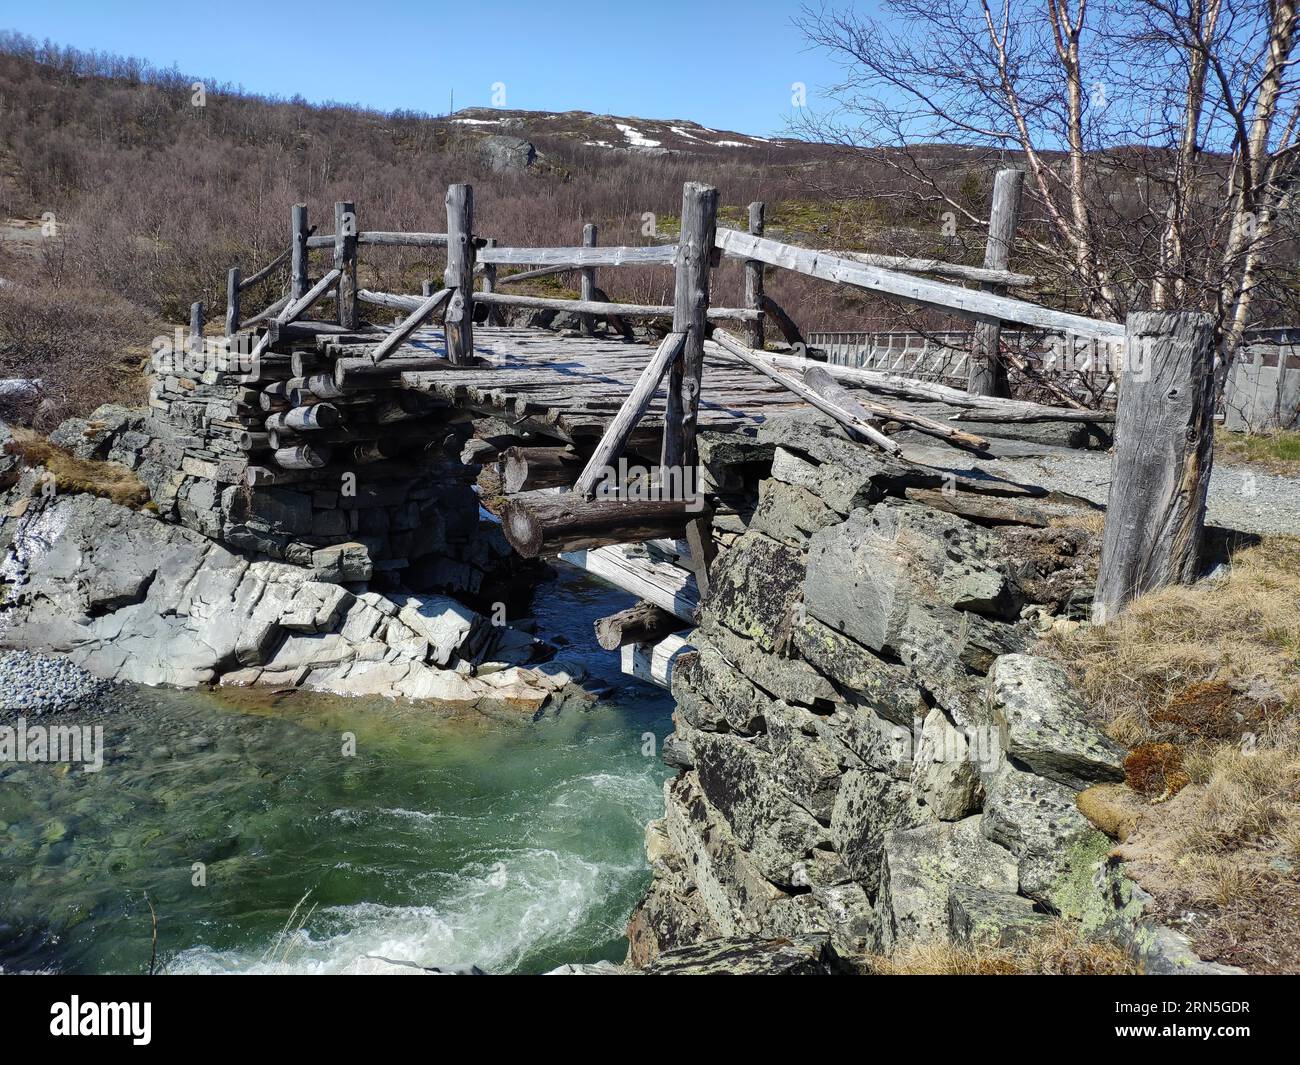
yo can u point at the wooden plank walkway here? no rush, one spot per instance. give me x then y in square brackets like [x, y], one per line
[575, 385]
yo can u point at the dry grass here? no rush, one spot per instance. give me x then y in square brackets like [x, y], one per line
[1239, 633]
[1203, 682]
[1057, 951]
[71, 474]
[1277, 451]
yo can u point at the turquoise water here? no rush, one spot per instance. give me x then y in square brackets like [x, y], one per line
[445, 840]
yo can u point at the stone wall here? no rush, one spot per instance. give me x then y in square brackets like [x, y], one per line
[867, 749]
[414, 518]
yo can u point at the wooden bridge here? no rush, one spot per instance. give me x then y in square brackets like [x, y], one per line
[333, 391]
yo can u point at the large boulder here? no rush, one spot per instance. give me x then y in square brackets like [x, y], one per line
[945, 774]
[1043, 726]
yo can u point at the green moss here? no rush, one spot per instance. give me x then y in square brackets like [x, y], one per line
[1075, 895]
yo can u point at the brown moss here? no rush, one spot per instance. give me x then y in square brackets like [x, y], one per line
[1156, 770]
[107, 480]
[1212, 710]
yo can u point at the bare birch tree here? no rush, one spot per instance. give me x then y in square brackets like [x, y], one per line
[1159, 136]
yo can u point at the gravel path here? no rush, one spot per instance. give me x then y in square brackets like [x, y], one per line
[1241, 497]
[38, 684]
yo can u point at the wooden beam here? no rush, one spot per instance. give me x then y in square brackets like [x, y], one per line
[587, 281]
[958, 271]
[390, 299]
[654, 662]
[623, 310]
[643, 623]
[302, 457]
[754, 281]
[533, 275]
[784, 322]
[964, 302]
[690, 307]
[1164, 448]
[656, 581]
[987, 372]
[409, 325]
[232, 301]
[345, 262]
[299, 234]
[652, 255]
[620, 428]
[932, 391]
[837, 395]
[459, 274]
[403, 240]
[548, 522]
[525, 469]
[859, 426]
[196, 329]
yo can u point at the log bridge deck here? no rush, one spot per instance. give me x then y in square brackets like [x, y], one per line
[332, 392]
[570, 388]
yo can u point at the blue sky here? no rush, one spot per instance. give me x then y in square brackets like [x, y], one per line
[616, 57]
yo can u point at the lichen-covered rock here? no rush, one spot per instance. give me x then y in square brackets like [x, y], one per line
[805, 955]
[945, 775]
[1043, 724]
[983, 918]
[963, 562]
[757, 561]
[739, 780]
[867, 806]
[862, 676]
[730, 887]
[918, 867]
[1037, 820]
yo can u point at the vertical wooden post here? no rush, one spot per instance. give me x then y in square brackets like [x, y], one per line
[345, 260]
[690, 306]
[587, 280]
[196, 328]
[987, 373]
[232, 301]
[1164, 447]
[490, 284]
[298, 233]
[754, 281]
[459, 275]
[426, 288]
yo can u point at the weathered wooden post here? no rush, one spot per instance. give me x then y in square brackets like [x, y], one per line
[345, 261]
[490, 284]
[690, 306]
[1164, 447]
[987, 373]
[754, 281]
[587, 281]
[232, 301]
[426, 288]
[196, 328]
[298, 234]
[459, 275]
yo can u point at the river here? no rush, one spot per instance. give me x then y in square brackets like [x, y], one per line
[446, 840]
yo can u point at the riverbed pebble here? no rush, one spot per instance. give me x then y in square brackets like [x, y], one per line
[34, 684]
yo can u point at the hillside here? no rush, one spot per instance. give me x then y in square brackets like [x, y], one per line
[148, 199]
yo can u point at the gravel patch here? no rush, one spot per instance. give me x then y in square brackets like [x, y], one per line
[1243, 498]
[34, 684]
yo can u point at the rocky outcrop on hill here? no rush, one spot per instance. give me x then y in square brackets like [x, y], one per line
[130, 597]
[869, 750]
